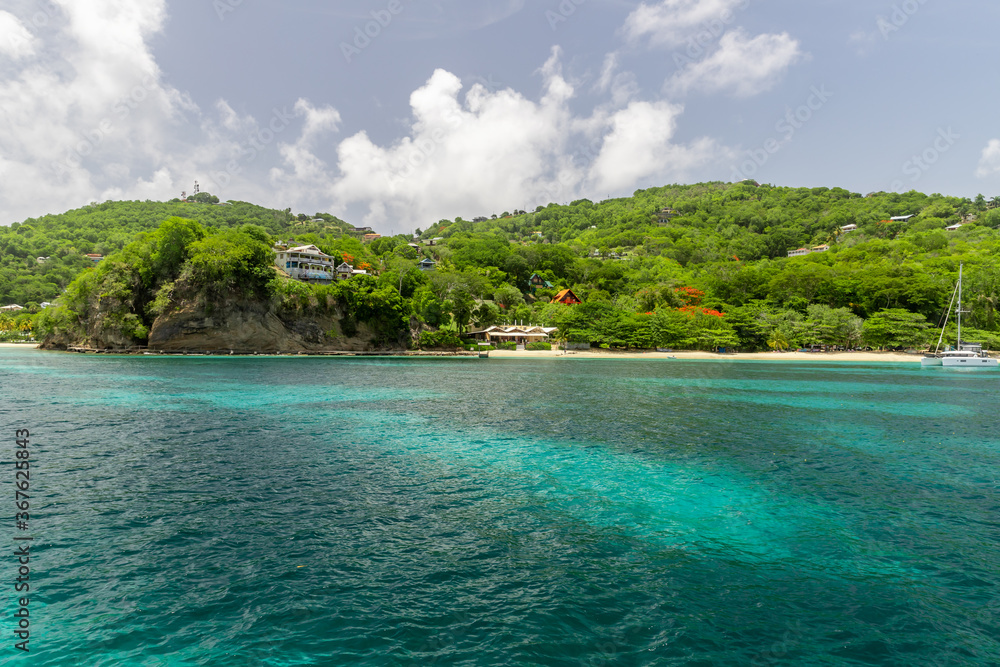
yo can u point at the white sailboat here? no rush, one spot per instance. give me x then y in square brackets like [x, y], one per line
[965, 355]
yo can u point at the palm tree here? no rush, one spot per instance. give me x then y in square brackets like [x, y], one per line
[778, 341]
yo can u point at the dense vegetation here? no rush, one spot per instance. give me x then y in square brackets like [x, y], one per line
[63, 240]
[716, 274]
[182, 262]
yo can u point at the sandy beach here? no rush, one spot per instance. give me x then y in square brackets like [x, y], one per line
[856, 357]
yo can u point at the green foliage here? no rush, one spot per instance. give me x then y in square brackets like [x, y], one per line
[507, 345]
[362, 299]
[233, 261]
[538, 346]
[728, 242]
[63, 240]
[895, 327]
[440, 339]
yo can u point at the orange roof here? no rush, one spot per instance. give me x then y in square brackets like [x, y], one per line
[565, 295]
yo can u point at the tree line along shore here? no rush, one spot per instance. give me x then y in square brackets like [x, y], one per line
[697, 267]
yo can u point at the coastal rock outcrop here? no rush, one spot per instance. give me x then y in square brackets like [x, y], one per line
[250, 326]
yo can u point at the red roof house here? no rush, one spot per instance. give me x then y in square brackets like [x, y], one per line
[567, 297]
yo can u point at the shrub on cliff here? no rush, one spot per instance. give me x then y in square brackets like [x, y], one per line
[432, 339]
[116, 302]
[236, 262]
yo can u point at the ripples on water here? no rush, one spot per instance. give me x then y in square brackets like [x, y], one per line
[292, 511]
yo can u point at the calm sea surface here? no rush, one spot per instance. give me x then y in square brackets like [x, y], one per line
[315, 511]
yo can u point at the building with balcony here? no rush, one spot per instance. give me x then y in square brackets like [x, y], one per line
[306, 262]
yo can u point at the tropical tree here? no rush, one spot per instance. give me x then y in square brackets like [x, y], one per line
[895, 327]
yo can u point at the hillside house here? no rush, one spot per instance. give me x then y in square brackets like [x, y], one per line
[567, 297]
[665, 215]
[345, 271]
[536, 282]
[307, 263]
[798, 252]
[427, 264]
[848, 228]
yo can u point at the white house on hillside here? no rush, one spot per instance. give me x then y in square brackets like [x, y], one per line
[305, 262]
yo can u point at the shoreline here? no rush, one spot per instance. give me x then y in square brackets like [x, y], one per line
[689, 355]
[680, 355]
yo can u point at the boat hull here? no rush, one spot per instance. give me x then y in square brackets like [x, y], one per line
[972, 362]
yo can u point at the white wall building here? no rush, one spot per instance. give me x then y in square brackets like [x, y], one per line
[305, 262]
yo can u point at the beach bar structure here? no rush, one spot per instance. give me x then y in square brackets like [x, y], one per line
[517, 334]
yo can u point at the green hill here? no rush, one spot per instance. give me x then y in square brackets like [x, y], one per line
[712, 271]
[66, 238]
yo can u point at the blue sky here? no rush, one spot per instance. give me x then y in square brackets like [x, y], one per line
[396, 113]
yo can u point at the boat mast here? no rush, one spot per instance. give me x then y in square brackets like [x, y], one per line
[958, 310]
[947, 314]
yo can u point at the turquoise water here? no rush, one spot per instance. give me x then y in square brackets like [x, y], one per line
[317, 511]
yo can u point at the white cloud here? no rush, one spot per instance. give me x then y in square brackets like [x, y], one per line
[16, 41]
[989, 161]
[640, 144]
[622, 85]
[863, 41]
[671, 23]
[89, 113]
[488, 151]
[88, 116]
[306, 172]
[741, 65]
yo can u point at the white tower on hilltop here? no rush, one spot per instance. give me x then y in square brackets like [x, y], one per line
[196, 188]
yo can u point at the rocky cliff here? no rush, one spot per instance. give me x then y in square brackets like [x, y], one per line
[251, 326]
[192, 325]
